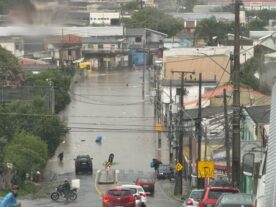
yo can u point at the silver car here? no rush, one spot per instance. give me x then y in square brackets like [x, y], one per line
[193, 197]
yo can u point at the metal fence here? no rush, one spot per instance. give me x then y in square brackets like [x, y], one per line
[27, 93]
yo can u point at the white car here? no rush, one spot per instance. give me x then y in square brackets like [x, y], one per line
[192, 198]
[138, 193]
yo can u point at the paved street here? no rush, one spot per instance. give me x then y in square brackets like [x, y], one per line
[108, 104]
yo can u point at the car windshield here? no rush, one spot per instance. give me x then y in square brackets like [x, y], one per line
[196, 194]
[119, 192]
[215, 194]
[145, 180]
[164, 168]
[83, 158]
[133, 190]
[237, 199]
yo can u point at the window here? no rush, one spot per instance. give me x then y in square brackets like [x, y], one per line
[138, 39]
[100, 46]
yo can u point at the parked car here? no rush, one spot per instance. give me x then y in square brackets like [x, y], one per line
[146, 183]
[118, 196]
[236, 200]
[193, 197]
[138, 193]
[165, 171]
[211, 195]
[83, 163]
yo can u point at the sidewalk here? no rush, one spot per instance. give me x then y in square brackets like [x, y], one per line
[163, 155]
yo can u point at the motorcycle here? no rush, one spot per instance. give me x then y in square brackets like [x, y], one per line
[72, 194]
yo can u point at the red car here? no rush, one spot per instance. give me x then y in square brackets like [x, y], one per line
[211, 195]
[146, 183]
[119, 196]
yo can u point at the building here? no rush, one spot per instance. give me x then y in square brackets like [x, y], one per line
[105, 52]
[259, 4]
[105, 18]
[143, 43]
[13, 44]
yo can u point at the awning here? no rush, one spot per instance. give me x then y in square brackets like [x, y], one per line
[78, 61]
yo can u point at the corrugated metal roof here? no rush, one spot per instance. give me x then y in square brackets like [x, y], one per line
[135, 31]
[59, 30]
[198, 16]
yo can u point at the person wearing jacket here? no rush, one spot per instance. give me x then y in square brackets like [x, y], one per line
[10, 199]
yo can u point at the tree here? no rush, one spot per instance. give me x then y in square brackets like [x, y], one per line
[34, 118]
[27, 153]
[133, 5]
[61, 82]
[9, 65]
[212, 31]
[155, 19]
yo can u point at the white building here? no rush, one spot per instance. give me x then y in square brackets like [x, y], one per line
[104, 18]
[259, 4]
[13, 44]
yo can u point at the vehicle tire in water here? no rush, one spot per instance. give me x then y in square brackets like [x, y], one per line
[54, 196]
[73, 196]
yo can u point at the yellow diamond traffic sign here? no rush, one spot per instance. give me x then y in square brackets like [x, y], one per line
[178, 166]
[206, 169]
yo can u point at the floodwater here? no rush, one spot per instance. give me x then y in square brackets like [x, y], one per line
[109, 104]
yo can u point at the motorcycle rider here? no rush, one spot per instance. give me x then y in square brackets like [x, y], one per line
[66, 188]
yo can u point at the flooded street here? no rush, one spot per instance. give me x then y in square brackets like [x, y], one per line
[108, 104]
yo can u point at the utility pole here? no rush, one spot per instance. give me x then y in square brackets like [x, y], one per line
[200, 181]
[158, 107]
[170, 129]
[178, 183]
[236, 101]
[143, 81]
[226, 129]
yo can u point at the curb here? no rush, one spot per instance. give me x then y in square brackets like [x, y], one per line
[169, 193]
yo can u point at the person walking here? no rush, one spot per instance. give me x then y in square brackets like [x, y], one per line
[10, 199]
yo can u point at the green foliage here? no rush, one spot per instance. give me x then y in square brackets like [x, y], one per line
[213, 31]
[34, 118]
[263, 15]
[155, 19]
[128, 6]
[28, 153]
[61, 82]
[256, 25]
[8, 63]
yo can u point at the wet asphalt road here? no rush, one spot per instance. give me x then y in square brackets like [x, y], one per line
[108, 104]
